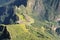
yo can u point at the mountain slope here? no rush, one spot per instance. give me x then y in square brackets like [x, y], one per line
[34, 21]
[22, 32]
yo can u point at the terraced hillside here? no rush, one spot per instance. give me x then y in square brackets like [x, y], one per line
[22, 32]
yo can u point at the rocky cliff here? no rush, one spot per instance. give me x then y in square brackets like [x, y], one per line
[45, 9]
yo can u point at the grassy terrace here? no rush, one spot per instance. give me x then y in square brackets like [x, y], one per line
[23, 32]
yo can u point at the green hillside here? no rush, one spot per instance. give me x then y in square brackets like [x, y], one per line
[36, 21]
[22, 32]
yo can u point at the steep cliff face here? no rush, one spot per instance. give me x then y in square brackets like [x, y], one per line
[41, 9]
[46, 9]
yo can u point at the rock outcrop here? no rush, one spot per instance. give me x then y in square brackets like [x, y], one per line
[45, 9]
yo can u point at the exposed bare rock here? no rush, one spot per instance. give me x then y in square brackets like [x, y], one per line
[45, 9]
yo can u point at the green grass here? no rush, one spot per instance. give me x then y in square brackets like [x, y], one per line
[23, 32]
